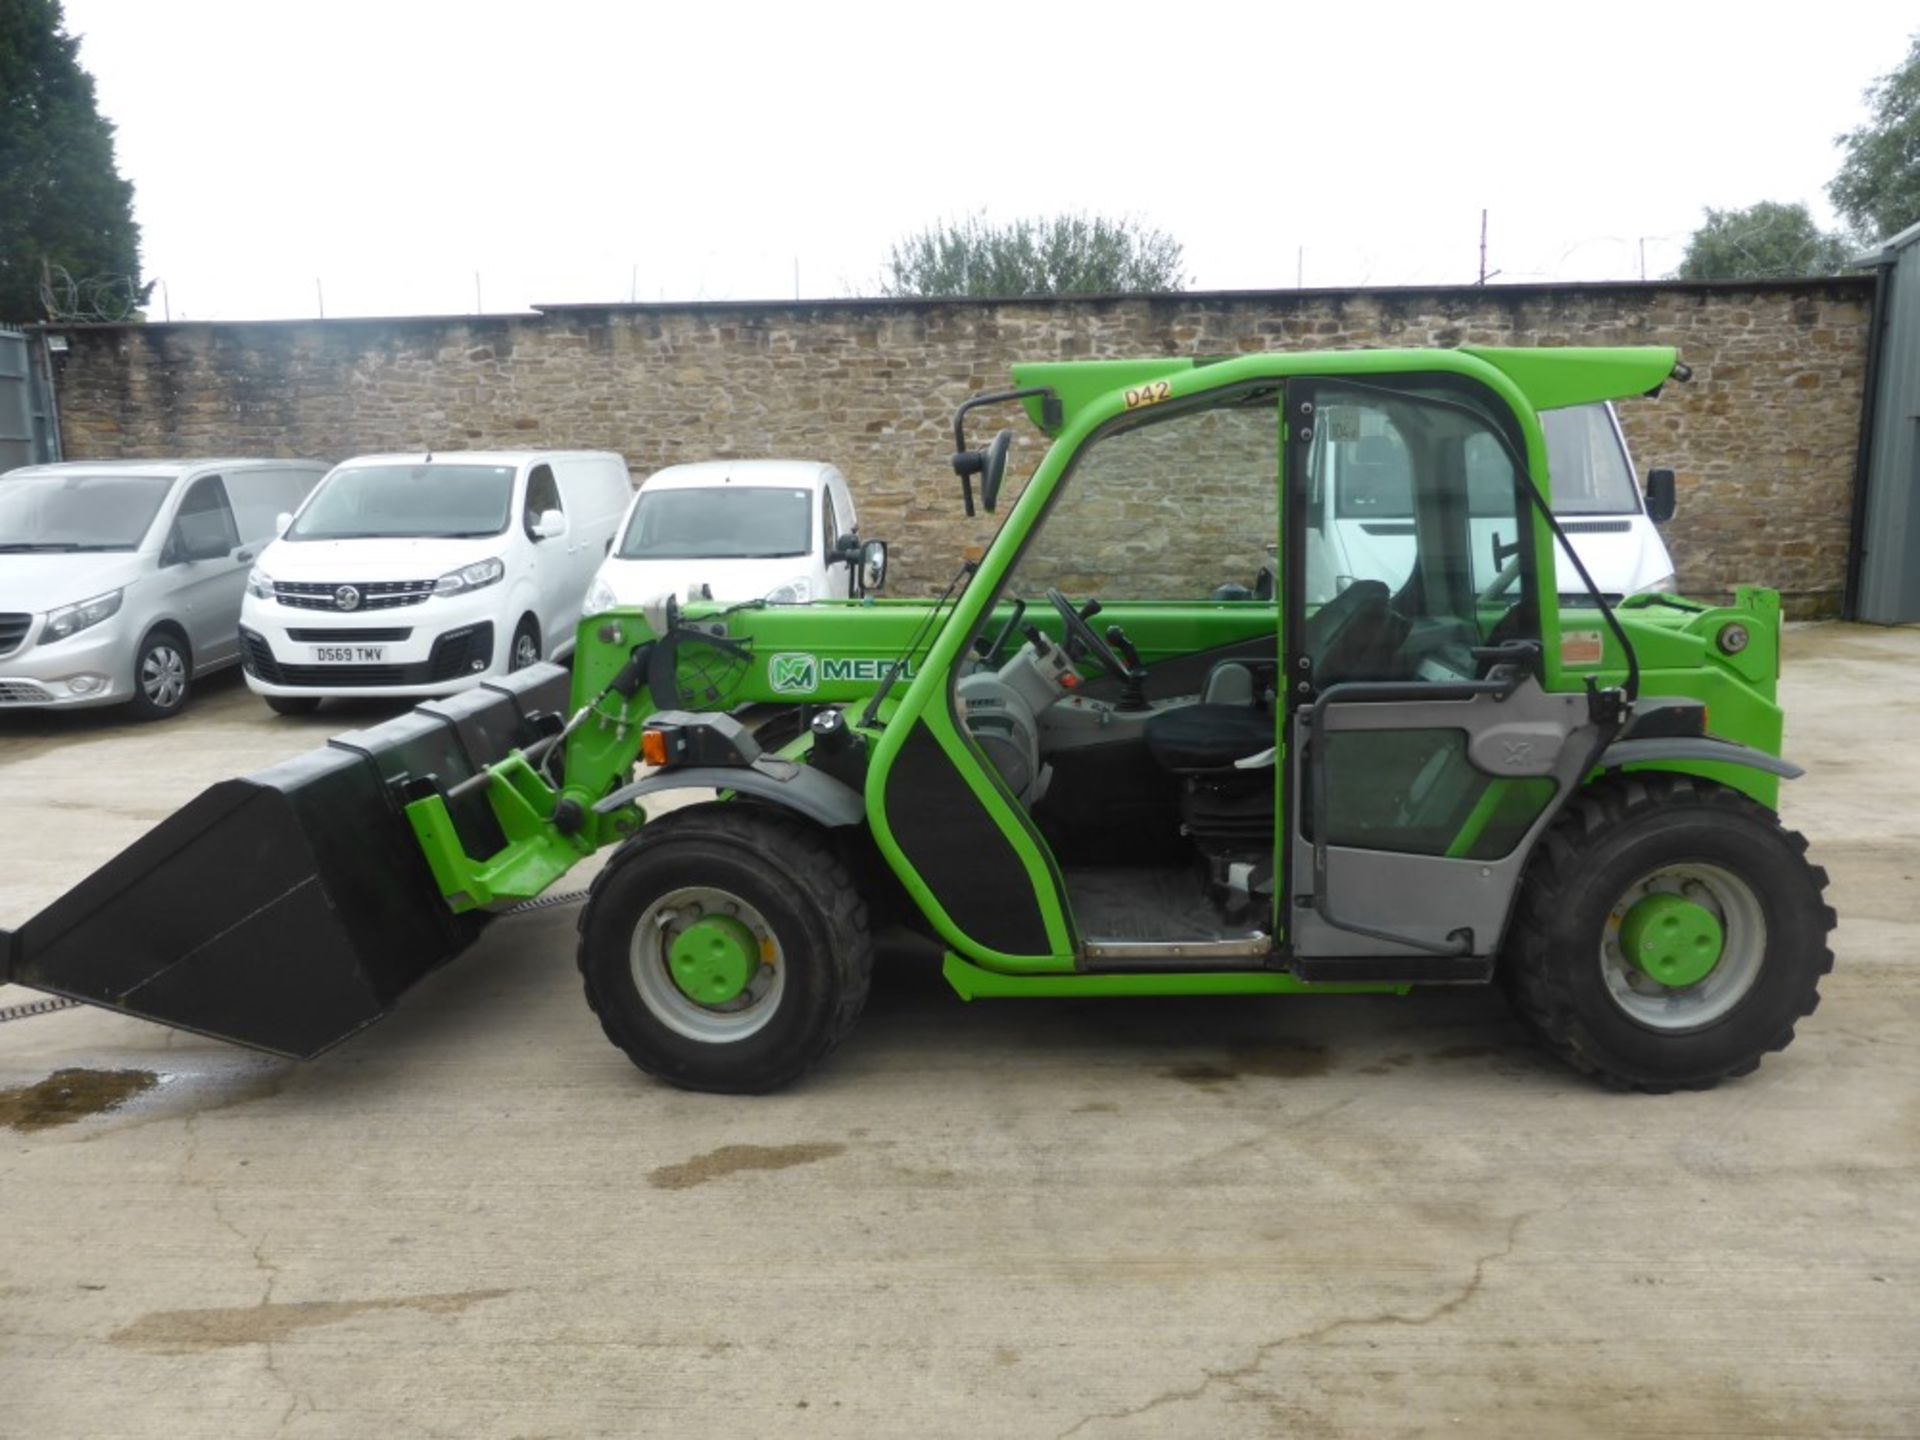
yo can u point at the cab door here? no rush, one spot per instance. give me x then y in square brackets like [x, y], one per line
[1426, 755]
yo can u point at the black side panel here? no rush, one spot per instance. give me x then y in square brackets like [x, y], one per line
[951, 839]
[287, 910]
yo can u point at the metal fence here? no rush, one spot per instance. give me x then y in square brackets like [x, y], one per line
[28, 435]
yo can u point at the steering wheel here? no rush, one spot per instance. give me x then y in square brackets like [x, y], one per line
[1080, 633]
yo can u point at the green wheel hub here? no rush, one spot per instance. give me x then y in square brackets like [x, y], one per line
[1671, 940]
[714, 960]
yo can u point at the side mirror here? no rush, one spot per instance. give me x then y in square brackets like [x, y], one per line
[551, 525]
[1660, 496]
[282, 521]
[846, 549]
[996, 466]
[873, 566]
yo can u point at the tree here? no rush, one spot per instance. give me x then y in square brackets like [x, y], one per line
[62, 201]
[1064, 255]
[1878, 187]
[1767, 241]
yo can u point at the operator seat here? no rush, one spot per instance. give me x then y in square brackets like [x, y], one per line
[1351, 637]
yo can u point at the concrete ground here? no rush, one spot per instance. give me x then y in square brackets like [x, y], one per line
[1132, 1218]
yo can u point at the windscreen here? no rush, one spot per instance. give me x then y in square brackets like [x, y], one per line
[418, 502]
[1587, 463]
[732, 522]
[99, 511]
[1373, 478]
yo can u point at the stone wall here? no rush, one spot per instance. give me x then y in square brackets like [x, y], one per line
[1763, 440]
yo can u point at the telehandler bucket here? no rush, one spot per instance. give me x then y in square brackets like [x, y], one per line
[292, 908]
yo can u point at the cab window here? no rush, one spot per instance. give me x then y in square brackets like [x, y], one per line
[204, 525]
[1416, 534]
[829, 523]
[543, 494]
[1171, 506]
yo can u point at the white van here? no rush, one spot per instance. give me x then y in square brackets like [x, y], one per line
[121, 580]
[1363, 518]
[783, 531]
[422, 574]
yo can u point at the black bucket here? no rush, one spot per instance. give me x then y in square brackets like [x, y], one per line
[288, 910]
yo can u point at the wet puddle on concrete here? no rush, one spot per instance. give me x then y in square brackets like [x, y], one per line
[69, 1095]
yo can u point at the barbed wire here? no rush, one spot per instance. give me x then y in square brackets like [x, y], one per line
[95, 299]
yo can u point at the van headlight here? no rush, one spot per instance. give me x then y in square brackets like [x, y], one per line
[1667, 584]
[798, 591]
[72, 619]
[470, 577]
[259, 584]
[600, 598]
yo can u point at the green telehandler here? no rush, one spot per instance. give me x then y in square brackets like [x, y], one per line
[1149, 741]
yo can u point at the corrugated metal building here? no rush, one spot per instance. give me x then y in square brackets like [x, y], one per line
[1883, 580]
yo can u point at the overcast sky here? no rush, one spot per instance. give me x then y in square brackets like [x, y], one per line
[575, 151]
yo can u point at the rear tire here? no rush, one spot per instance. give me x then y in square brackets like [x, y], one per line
[162, 675]
[1618, 842]
[783, 880]
[292, 704]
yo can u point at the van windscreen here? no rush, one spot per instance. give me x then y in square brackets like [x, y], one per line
[732, 522]
[414, 502]
[1587, 465]
[78, 511]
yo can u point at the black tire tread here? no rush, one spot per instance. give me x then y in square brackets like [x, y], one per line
[1537, 988]
[808, 854]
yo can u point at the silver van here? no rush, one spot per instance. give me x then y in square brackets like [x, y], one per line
[121, 580]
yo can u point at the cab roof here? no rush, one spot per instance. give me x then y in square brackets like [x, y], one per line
[1549, 377]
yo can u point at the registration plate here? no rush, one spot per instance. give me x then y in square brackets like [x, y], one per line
[349, 654]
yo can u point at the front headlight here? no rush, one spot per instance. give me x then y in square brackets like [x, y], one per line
[72, 619]
[259, 584]
[469, 577]
[798, 591]
[1667, 584]
[600, 598]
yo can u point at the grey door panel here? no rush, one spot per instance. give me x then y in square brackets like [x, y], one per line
[1421, 778]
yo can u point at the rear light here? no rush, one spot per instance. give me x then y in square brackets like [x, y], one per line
[653, 747]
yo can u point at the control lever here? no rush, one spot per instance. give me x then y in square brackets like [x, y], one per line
[1117, 638]
[1133, 684]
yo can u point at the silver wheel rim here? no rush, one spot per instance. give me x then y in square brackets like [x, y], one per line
[1743, 924]
[163, 676]
[661, 924]
[526, 650]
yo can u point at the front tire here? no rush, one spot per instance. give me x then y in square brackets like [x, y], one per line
[162, 676]
[1716, 900]
[526, 645]
[771, 900]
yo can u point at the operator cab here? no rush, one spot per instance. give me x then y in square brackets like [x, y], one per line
[1146, 736]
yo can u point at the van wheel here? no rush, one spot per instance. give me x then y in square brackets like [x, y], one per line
[526, 645]
[292, 704]
[715, 967]
[162, 675]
